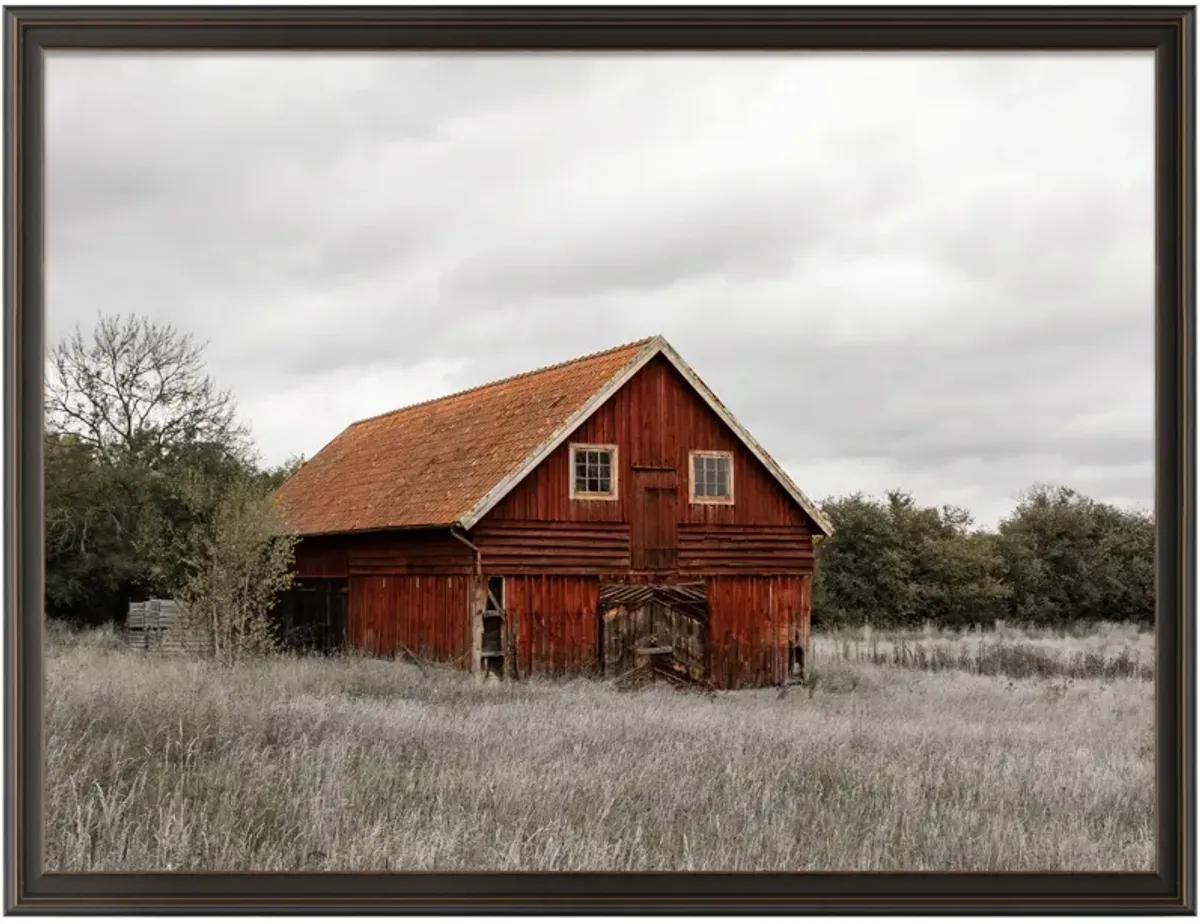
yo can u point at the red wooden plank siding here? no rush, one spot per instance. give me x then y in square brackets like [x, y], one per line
[802, 630]
[427, 614]
[320, 557]
[547, 547]
[752, 622]
[730, 549]
[555, 618]
[654, 419]
[396, 552]
[415, 552]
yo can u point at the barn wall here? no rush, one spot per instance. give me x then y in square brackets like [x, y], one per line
[427, 614]
[547, 547]
[656, 420]
[556, 622]
[421, 551]
[410, 552]
[320, 557]
[751, 550]
[752, 623]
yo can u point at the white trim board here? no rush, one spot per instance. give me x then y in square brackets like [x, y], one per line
[653, 348]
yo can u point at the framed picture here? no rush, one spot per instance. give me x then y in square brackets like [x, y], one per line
[601, 460]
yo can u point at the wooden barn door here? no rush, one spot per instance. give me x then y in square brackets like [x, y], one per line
[652, 528]
[638, 620]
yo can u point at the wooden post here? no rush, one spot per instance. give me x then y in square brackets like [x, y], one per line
[510, 651]
[475, 609]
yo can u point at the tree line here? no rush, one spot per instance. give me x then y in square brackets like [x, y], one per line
[1058, 559]
[153, 489]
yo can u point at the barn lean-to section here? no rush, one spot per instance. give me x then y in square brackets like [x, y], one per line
[400, 589]
[514, 562]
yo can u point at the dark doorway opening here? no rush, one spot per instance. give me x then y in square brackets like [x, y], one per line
[311, 615]
[493, 628]
[796, 666]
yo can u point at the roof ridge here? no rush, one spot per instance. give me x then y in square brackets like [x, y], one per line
[511, 378]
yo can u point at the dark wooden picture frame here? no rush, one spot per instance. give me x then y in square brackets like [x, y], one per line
[1169, 31]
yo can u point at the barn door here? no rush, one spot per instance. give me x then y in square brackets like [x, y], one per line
[652, 528]
[640, 622]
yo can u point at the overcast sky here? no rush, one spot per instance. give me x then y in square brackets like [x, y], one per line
[917, 271]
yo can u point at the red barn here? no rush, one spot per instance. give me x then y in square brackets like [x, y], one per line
[567, 520]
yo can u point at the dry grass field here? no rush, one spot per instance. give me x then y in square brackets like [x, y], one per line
[1104, 651]
[353, 764]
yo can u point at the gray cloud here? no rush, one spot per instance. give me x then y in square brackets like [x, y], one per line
[926, 271]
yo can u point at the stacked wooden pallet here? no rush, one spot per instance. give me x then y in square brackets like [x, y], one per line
[157, 625]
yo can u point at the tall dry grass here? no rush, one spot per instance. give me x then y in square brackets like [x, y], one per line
[1108, 651]
[356, 764]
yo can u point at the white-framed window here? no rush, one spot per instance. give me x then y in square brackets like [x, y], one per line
[593, 472]
[711, 477]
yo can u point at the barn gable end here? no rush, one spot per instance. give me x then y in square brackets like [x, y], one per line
[655, 419]
[659, 353]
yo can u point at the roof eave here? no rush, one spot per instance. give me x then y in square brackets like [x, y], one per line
[407, 527]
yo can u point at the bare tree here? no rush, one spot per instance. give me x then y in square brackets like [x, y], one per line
[132, 420]
[134, 385]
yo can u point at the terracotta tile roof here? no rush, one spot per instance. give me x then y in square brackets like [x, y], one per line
[431, 463]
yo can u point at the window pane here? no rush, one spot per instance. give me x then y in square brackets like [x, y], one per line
[710, 476]
[593, 471]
